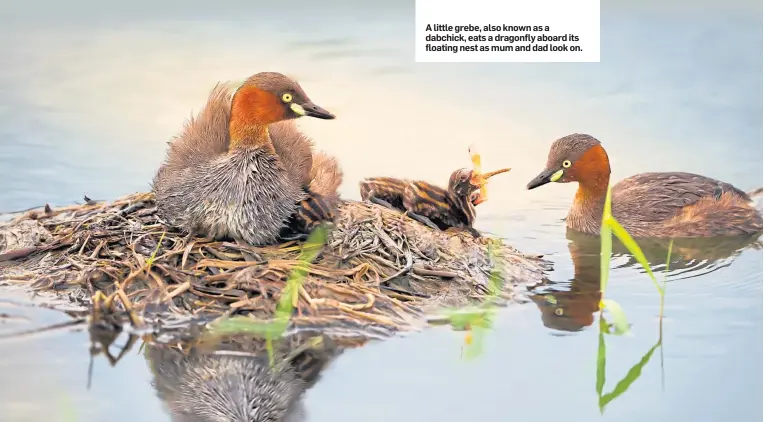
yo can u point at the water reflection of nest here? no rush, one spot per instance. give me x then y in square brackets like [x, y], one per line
[237, 379]
[379, 267]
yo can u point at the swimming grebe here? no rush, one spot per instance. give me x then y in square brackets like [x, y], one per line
[672, 204]
[223, 175]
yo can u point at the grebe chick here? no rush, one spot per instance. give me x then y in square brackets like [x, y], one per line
[431, 205]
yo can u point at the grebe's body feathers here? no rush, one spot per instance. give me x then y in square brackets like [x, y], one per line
[222, 197]
[205, 136]
[680, 202]
[325, 175]
[294, 148]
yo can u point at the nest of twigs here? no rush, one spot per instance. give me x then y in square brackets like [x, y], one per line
[379, 268]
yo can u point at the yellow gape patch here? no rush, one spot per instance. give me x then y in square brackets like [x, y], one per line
[556, 176]
[297, 109]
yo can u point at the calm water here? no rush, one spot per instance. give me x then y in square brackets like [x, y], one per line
[89, 95]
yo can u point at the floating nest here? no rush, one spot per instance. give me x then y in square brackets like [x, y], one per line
[379, 269]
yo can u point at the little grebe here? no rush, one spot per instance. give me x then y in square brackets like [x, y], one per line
[431, 205]
[672, 204]
[228, 175]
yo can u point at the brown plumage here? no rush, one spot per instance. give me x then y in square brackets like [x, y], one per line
[434, 206]
[316, 170]
[670, 204]
[325, 176]
[294, 148]
[319, 173]
[240, 169]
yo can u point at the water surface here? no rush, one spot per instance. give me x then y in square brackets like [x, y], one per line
[91, 93]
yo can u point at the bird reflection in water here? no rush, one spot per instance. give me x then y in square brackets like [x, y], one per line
[570, 307]
[235, 380]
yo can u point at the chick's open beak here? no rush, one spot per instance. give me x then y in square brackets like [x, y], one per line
[546, 176]
[480, 180]
[313, 110]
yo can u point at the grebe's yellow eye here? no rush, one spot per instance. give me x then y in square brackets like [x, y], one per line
[566, 164]
[287, 97]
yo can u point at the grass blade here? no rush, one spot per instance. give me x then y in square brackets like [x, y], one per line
[496, 278]
[601, 357]
[310, 251]
[620, 323]
[665, 278]
[606, 245]
[631, 376]
[668, 259]
[241, 325]
[635, 250]
[153, 257]
[610, 227]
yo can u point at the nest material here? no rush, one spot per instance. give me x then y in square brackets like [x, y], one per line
[379, 268]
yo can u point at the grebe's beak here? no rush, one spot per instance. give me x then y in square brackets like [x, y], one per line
[309, 109]
[546, 176]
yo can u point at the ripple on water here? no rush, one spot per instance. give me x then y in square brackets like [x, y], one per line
[699, 280]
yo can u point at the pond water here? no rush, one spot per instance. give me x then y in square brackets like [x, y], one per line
[90, 93]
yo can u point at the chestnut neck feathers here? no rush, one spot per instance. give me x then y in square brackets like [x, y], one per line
[592, 171]
[252, 110]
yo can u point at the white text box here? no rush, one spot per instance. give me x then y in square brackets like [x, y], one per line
[507, 31]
